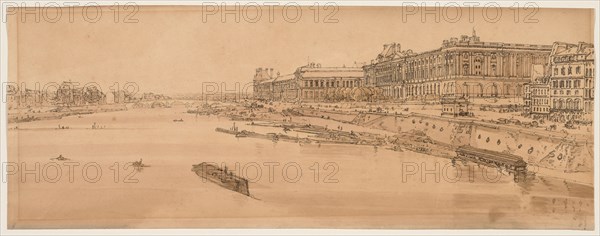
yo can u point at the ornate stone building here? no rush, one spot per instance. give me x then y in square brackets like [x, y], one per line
[462, 66]
[262, 86]
[329, 83]
[283, 88]
[571, 80]
[310, 83]
[275, 87]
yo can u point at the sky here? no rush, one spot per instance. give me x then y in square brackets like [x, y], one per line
[175, 50]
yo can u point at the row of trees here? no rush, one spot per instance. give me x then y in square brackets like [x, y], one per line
[358, 94]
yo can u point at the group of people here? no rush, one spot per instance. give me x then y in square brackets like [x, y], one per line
[59, 158]
[97, 126]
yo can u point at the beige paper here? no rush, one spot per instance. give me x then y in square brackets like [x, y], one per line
[334, 117]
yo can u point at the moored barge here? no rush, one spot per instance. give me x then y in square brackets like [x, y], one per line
[222, 177]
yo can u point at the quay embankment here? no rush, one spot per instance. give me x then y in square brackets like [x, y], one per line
[558, 154]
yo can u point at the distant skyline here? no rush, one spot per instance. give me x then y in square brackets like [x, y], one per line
[170, 50]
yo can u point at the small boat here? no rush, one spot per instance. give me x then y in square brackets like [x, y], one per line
[60, 158]
[180, 120]
[227, 131]
[396, 148]
[139, 164]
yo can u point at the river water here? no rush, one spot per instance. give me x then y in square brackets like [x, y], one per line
[292, 185]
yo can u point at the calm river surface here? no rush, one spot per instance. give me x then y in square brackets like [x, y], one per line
[339, 186]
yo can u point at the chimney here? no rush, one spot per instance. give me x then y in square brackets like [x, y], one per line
[580, 45]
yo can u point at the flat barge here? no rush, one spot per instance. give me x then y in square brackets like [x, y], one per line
[222, 177]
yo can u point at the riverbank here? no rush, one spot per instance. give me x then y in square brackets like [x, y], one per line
[549, 153]
[52, 113]
[350, 185]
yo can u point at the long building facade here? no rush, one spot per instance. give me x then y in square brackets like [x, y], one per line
[555, 81]
[311, 83]
[329, 83]
[462, 66]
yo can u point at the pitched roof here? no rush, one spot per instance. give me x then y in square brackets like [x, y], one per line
[285, 77]
[268, 81]
[393, 51]
[565, 49]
